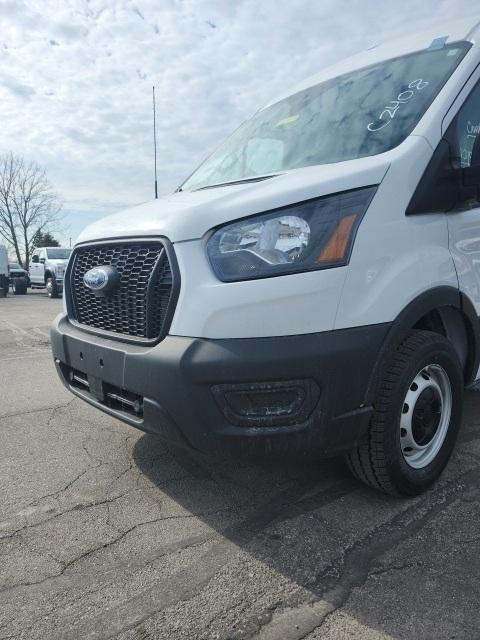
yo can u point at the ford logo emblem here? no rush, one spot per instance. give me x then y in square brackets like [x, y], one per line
[100, 279]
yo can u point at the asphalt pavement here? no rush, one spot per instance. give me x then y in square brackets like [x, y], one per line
[106, 532]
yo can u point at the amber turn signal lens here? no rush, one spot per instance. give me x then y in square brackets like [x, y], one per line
[336, 247]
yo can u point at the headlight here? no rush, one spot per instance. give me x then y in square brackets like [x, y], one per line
[317, 234]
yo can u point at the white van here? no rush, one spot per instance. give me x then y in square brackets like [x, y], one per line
[314, 287]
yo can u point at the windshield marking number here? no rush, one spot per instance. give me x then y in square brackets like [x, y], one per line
[391, 109]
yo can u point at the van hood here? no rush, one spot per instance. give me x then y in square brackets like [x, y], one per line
[58, 261]
[188, 215]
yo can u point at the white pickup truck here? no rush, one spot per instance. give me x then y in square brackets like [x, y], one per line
[47, 269]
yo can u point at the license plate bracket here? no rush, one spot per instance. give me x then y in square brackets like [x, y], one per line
[96, 387]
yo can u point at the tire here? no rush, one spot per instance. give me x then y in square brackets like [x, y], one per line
[4, 286]
[19, 286]
[416, 419]
[52, 288]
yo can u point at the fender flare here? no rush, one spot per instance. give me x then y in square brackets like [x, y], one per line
[473, 332]
[431, 300]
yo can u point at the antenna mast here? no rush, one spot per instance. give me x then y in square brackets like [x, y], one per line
[155, 142]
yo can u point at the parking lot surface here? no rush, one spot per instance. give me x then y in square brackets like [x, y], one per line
[106, 532]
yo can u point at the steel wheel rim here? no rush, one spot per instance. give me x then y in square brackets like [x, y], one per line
[425, 418]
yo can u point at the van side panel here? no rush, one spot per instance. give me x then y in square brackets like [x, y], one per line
[396, 258]
[287, 305]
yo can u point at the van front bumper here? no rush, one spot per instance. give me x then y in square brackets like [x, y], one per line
[288, 395]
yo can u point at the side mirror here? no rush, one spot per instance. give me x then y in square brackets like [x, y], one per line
[35, 259]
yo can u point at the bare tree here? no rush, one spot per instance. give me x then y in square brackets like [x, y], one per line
[28, 205]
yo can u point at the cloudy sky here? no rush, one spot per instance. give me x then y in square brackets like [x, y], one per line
[76, 78]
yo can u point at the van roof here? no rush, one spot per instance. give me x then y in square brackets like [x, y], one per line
[466, 29]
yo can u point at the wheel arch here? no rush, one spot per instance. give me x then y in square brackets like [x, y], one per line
[444, 310]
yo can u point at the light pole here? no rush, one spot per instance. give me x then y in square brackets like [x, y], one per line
[155, 141]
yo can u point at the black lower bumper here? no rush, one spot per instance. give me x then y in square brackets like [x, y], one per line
[283, 395]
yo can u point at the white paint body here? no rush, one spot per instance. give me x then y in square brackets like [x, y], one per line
[395, 257]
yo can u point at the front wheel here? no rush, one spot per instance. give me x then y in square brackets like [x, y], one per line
[416, 419]
[19, 286]
[4, 284]
[52, 288]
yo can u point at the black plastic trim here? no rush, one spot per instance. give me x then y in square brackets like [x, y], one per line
[438, 189]
[307, 390]
[436, 298]
[473, 331]
[177, 380]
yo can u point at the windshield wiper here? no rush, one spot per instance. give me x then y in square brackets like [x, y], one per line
[240, 181]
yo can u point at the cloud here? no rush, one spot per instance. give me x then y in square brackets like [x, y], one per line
[77, 79]
[16, 87]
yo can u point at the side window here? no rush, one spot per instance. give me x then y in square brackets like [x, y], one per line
[464, 130]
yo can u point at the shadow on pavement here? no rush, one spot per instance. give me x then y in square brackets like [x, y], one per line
[314, 524]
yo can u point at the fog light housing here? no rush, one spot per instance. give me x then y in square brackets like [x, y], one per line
[267, 404]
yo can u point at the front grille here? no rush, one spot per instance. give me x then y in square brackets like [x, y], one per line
[140, 305]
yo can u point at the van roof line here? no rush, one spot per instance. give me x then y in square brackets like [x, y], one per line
[465, 29]
[474, 31]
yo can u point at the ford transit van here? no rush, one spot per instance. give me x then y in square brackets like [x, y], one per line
[313, 288]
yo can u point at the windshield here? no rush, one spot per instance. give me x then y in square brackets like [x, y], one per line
[14, 265]
[362, 113]
[59, 254]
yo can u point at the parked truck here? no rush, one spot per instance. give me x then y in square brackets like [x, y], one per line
[47, 269]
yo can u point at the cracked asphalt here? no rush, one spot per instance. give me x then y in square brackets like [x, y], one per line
[106, 532]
